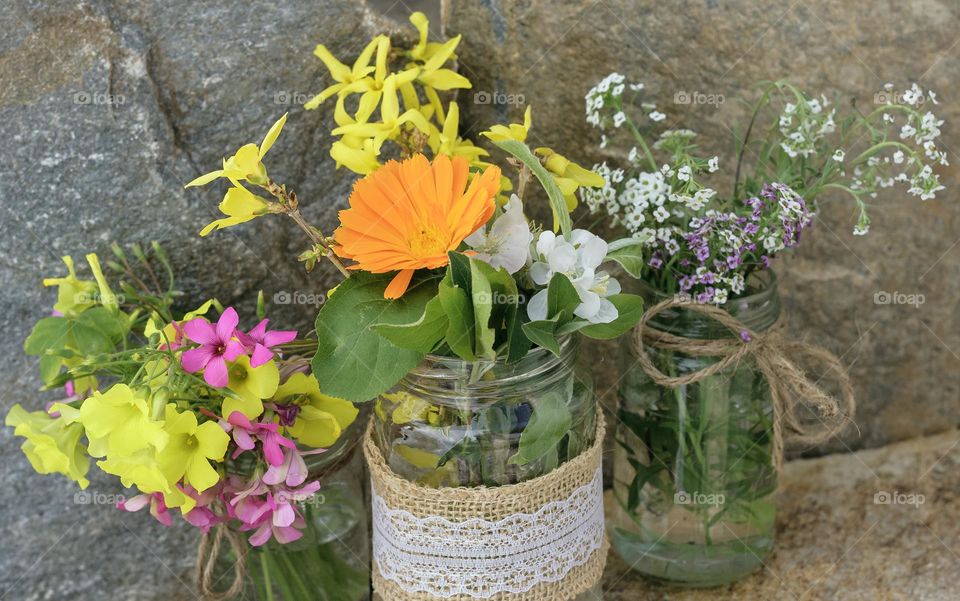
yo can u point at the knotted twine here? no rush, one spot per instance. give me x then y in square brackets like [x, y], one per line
[208, 549]
[776, 356]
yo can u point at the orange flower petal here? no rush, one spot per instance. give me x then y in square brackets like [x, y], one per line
[398, 285]
[407, 215]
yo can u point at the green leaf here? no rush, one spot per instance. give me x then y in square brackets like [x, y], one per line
[548, 425]
[630, 310]
[522, 153]
[456, 305]
[353, 362]
[628, 252]
[460, 271]
[562, 296]
[49, 333]
[543, 333]
[49, 368]
[481, 296]
[421, 335]
[113, 325]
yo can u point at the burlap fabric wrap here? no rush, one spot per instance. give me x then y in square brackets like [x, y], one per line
[776, 355]
[569, 498]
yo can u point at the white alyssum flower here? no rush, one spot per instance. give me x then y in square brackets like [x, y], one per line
[713, 164]
[684, 173]
[657, 116]
[838, 155]
[507, 243]
[619, 118]
[578, 259]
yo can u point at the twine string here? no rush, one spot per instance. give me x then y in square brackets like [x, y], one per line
[776, 356]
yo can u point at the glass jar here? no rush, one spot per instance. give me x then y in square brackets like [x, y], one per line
[331, 560]
[693, 480]
[452, 423]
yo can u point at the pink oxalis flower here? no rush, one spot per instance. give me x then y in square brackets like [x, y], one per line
[217, 346]
[258, 342]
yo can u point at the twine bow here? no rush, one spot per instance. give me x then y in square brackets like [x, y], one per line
[208, 552]
[208, 549]
[775, 355]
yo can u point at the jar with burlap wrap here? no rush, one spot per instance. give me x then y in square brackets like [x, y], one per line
[330, 561]
[486, 481]
[708, 396]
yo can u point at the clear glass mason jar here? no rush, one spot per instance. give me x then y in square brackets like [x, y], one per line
[451, 423]
[693, 480]
[331, 560]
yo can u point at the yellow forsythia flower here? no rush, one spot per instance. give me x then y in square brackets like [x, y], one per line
[247, 163]
[190, 449]
[514, 131]
[239, 205]
[251, 385]
[568, 175]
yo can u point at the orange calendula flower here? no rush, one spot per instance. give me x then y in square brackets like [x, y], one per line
[406, 216]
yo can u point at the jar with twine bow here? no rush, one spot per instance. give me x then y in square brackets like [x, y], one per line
[330, 561]
[708, 397]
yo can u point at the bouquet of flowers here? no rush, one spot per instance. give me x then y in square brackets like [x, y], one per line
[705, 244]
[191, 412]
[442, 258]
[701, 431]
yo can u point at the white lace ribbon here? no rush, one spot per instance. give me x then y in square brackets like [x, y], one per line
[481, 558]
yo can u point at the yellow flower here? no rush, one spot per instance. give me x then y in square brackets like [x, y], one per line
[190, 449]
[246, 164]
[408, 408]
[239, 205]
[74, 296]
[251, 385]
[52, 445]
[138, 469]
[118, 421]
[320, 418]
[514, 131]
[434, 75]
[431, 56]
[341, 74]
[373, 88]
[390, 119]
[448, 142]
[356, 153]
[568, 175]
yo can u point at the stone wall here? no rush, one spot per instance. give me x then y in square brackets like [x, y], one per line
[107, 108]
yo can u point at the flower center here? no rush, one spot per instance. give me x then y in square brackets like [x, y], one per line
[428, 242]
[238, 372]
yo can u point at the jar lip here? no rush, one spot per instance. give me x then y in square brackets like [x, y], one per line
[488, 374]
[566, 343]
[765, 289]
